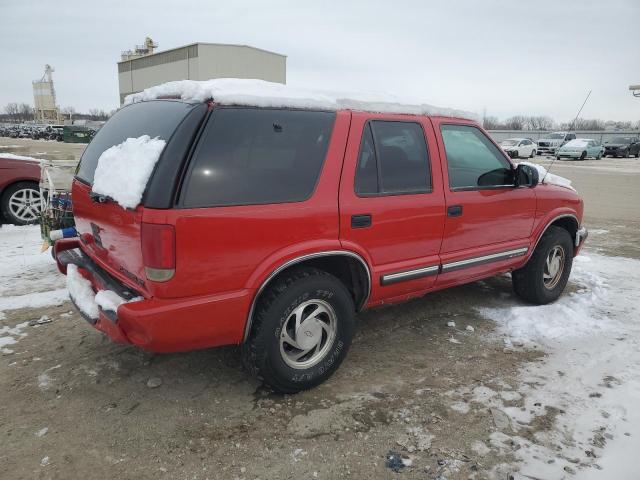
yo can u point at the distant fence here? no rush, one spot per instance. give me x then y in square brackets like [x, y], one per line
[599, 136]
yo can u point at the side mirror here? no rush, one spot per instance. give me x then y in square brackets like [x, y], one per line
[526, 176]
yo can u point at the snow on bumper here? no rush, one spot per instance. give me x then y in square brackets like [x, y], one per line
[157, 324]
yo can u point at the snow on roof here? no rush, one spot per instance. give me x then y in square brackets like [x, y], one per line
[577, 142]
[11, 156]
[260, 93]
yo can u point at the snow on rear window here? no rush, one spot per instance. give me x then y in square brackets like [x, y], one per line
[124, 169]
[11, 156]
[578, 142]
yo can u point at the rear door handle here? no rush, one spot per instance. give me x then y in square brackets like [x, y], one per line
[454, 211]
[361, 221]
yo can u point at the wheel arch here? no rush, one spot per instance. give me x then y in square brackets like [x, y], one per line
[349, 267]
[568, 221]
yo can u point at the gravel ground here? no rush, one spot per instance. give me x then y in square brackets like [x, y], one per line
[73, 405]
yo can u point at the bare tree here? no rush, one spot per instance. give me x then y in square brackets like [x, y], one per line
[492, 123]
[517, 122]
[584, 124]
[25, 112]
[12, 110]
[540, 123]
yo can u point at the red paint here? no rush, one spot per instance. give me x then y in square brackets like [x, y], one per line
[223, 255]
[14, 171]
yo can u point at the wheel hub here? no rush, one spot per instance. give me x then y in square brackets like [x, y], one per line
[308, 334]
[554, 267]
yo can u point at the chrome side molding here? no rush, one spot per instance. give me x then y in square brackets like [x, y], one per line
[472, 262]
[409, 275]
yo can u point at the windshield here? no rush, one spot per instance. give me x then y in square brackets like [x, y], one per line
[154, 118]
[556, 136]
[621, 140]
[509, 143]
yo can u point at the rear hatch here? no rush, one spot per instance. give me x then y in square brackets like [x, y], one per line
[111, 234]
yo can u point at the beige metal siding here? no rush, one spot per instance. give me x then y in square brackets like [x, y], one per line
[218, 61]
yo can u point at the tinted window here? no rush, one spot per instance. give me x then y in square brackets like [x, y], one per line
[473, 160]
[155, 118]
[255, 156]
[393, 159]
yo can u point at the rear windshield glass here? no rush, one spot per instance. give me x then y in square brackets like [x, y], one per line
[253, 156]
[155, 118]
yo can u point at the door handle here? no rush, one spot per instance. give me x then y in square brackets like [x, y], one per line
[454, 211]
[361, 221]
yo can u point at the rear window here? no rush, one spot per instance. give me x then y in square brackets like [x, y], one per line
[154, 118]
[250, 156]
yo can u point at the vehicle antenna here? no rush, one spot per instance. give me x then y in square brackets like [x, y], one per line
[571, 127]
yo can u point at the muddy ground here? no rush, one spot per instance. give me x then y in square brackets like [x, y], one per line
[116, 412]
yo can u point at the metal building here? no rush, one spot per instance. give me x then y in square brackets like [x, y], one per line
[44, 99]
[142, 68]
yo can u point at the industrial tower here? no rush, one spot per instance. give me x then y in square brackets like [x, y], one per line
[44, 98]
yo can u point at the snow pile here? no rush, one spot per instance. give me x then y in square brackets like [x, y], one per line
[549, 178]
[11, 156]
[81, 292]
[28, 278]
[109, 300]
[124, 169]
[578, 142]
[259, 93]
[570, 316]
[591, 375]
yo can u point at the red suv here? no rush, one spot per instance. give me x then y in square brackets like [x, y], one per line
[271, 227]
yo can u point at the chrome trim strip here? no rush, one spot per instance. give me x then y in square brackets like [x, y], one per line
[409, 275]
[470, 262]
[291, 262]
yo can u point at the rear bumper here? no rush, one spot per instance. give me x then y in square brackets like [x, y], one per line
[160, 325]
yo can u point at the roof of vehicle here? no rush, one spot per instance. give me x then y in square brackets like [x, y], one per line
[260, 93]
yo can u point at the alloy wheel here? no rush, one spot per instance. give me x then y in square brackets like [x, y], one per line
[26, 204]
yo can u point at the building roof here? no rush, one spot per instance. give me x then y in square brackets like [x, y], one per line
[203, 43]
[260, 93]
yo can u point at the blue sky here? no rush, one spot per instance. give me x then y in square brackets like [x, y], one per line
[508, 57]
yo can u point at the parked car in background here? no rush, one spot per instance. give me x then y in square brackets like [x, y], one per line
[622, 147]
[550, 143]
[20, 201]
[580, 148]
[274, 226]
[519, 147]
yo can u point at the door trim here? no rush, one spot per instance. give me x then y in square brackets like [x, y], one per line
[494, 257]
[392, 278]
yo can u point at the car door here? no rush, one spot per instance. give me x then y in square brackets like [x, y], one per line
[392, 202]
[488, 220]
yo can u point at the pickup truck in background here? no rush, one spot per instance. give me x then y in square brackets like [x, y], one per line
[549, 145]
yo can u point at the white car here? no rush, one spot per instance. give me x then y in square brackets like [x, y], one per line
[519, 147]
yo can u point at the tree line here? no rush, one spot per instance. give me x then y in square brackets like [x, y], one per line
[543, 123]
[23, 112]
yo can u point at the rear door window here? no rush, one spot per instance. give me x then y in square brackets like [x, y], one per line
[393, 159]
[250, 156]
[153, 118]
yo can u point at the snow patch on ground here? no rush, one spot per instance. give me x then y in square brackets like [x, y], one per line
[124, 169]
[589, 384]
[549, 178]
[259, 93]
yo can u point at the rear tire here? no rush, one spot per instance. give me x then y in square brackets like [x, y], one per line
[543, 279]
[278, 333]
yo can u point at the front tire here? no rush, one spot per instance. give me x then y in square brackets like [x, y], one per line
[543, 279]
[302, 329]
[21, 203]
[584, 155]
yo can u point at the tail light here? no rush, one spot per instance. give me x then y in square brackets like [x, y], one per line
[158, 251]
